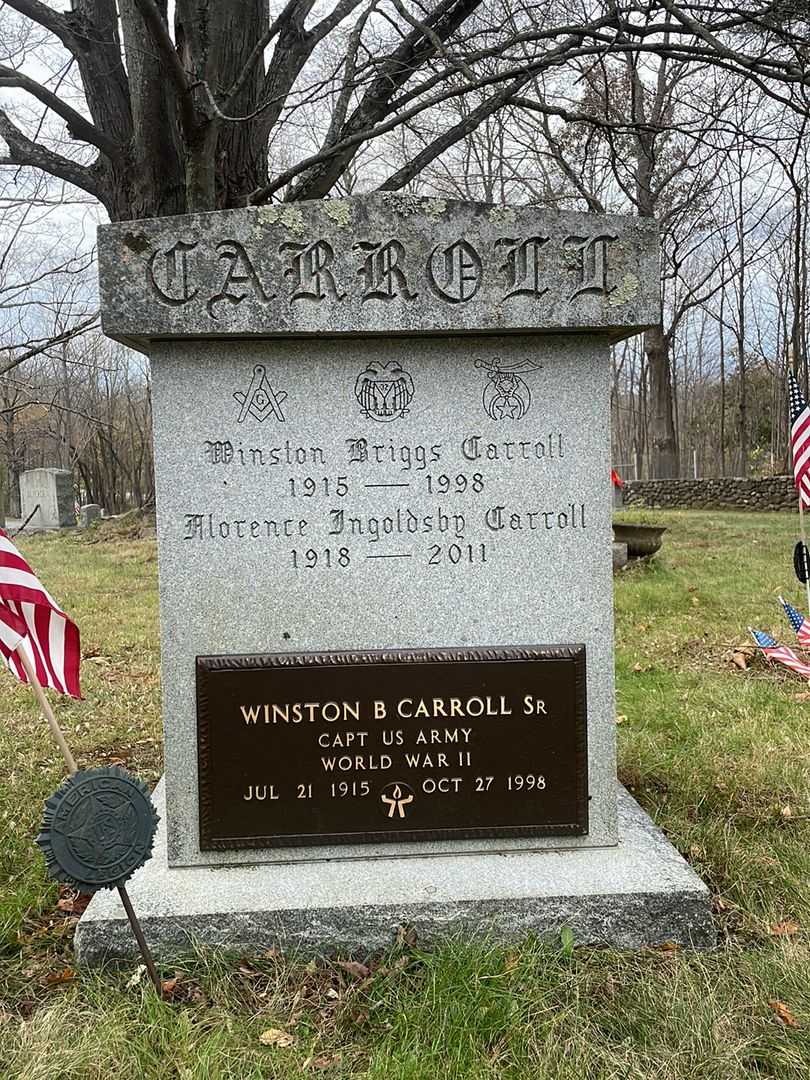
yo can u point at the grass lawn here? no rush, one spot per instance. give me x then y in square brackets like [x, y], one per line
[717, 754]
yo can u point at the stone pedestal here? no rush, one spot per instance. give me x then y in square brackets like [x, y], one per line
[638, 893]
[381, 443]
[51, 490]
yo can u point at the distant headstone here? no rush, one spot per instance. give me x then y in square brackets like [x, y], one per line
[51, 490]
[381, 444]
[620, 557]
[89, 513]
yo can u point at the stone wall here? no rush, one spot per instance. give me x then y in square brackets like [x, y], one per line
[732, 492]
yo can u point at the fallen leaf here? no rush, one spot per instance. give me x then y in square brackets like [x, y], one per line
[276, 1037]
[786, 811]
[406, 935]
[56, 978]
[621, 718]
[669, 946]
[140, 971]
[71, 901]
[786, 928]
[804, 696]
[637, 667]
[168, 987]
[322, 1061]
[355, 968]
[784, 1014]
[740, 660]
[512, 961]
[398, 964]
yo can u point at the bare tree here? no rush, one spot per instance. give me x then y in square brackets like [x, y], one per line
[165, 119]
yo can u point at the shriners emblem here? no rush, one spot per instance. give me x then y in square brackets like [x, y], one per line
[384, 391]
[506, 396]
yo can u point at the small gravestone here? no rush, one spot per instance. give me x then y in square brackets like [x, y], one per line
[49, 494]
[88, 513]
[620, 556]
[381, 446]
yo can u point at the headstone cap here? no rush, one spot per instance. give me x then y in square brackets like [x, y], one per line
[382, 264]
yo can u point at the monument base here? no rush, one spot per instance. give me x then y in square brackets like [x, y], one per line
[641, 892]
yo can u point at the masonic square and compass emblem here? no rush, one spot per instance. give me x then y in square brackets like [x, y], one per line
[261, 400]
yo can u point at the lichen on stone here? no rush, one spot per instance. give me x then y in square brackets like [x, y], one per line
[625, 291]
[288, 216]
[435, 207]
[502, 215]
[339, 210]
[402, 204]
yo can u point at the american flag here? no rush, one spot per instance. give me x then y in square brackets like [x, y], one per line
[32, 620]
[799, 623]
[780, 653]
[799, 439]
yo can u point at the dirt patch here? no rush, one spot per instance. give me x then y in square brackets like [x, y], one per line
[134, 525]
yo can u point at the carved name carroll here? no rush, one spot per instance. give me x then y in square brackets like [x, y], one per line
[403, 266]
[315, 272]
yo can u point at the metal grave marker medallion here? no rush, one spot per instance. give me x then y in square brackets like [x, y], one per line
[98, 828]
[304, 749]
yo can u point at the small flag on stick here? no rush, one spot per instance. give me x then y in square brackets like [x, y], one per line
[780, 653]
[34, 628]
[799, 439]
[798, 621]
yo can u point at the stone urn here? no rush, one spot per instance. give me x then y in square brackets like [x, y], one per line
[641, 540]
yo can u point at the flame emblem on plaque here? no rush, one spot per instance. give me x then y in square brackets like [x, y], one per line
[261, 400]
[396, 797]
[506, 396]
[384, 391]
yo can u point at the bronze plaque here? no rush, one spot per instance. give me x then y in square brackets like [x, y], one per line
[346, 748]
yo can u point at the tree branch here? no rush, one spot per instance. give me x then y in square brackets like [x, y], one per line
[78, 126]
[40, 13]
[23, 151]
[178, 75]
[257, 52]
[393, 72]
[337, 15]
[60, 339]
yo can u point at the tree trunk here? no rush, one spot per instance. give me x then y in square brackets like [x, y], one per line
[664, 461]
[742, 418]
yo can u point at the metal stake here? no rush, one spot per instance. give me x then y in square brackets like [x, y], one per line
[138, 932]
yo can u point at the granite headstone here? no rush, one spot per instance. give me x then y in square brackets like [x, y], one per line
[49, 492]
[88, 513]
[381, 445]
